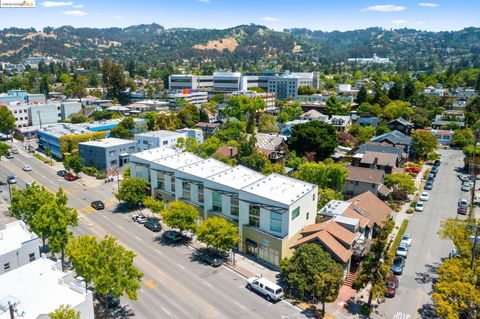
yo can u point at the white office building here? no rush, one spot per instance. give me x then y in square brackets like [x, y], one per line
[140, 162]
[149, 140]
[193, 82]
[18, 246]
[197, 98]
[40, 287]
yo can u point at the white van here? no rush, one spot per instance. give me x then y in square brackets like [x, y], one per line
[270, 290]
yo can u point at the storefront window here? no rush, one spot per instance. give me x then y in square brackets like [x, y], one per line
[254, 216]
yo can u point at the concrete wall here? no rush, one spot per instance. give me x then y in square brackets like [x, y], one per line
[20, 257]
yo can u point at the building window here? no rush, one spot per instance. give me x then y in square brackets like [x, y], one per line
[142, 172]
[114, 162]
[160, 181]
[145, 142]
[112, 153]
[308, 215]
[200, 194]
[295, 213]
[165, 142]
[234, 206]
[313, 196]
[216, 202]
[254, 216]
[172, 184]
[6, 267]
[31, 257]
[186, 187]
[275, 222]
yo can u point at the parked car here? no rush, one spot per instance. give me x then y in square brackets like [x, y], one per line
[27, 168]
[98, 204]
[435, 170]
[402, 251]
[462, 206]
[431, 177]
[14, 151]
[424, 196]
[71, 177]
[172, 235]
[464, 177]
[211, 259]
[270, 290]
[10, 156]
[398, 265]
[62, 173]
[406, 239]
[391, 286]
[453, 253]
[153, 225]
[139, 218]
[11, 179]
[467, 186]
[428, 185]
[437, 163]
[419, 207]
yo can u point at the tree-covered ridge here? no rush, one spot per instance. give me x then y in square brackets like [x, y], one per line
[257, 46]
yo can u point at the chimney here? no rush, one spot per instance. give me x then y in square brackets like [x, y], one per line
[231, 151]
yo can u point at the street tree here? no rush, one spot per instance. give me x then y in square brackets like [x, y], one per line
[64, 312]
[400, 181]
[423, 143]
[132, 191]
[462, 138]
[315, 137]
[301, 271]
[73, 163]
[4, 149]
[325, 175]
[327, 286]
[217, 232]
[81, 252]
[28, 201]
[156, 206]
[181, 215]
[7, 120]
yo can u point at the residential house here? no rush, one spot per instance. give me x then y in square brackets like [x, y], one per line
[362, 179]
[208, 128]
[444, 120]
[368, 121]
[373, 208]
[228, 151]
[444, 137]
[383, 161]
[273, 145]
[313, 115]
[287, 128]
[383, 148]
[401, 125]
[340, 122]
[395, 138]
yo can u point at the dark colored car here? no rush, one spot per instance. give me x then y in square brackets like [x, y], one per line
[431, 177]
[391, 286]
[172, 235]
[62, 173]
[212, 260]
[398, 265]
[437, 163]
[70, 177]
[153, 225]
[98, 205]
[435, 170]
[429, 185]
[112, 302]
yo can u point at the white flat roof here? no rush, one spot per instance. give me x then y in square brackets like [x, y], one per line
[279, 188]
[159, 134]
[155, 153]
[205, 168]
[106, 142]
[37, 288]
[13, 236]
[335, 207]
[178, 160]
[236, 177]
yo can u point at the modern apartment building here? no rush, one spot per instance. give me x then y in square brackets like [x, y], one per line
[162, 138]
[197, 98]
[106, 154]
[42, 113]
[270, 211]
[194, 82]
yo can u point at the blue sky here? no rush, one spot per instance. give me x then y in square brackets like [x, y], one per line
[276, 14]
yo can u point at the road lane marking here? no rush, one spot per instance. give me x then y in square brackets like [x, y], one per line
[180, 266]
[150, 284]
[165, 310]
[105, 217]
[158, 252]
[120, 227]
[138, 238]
[206, 283]
[240, 305]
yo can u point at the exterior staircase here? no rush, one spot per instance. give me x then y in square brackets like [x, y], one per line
[350, 279]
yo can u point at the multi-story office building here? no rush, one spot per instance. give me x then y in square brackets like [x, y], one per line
[196, 98]
[270, 211]
[21, 112]
[106, 154]
[286, 86]
[194, 82]
[22, 97]
[226, 82]
[42, 114]
[18, 246]
[149, 140]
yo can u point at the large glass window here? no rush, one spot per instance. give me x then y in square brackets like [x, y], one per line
[216, 202]
[142, 172]
[172, 184]
[275, 222]
[161, 181]
[186, 190]
[295, 213]
[254, 216]
[200, 194]
[234, 206]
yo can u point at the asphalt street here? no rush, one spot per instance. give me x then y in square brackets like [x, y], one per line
[175, 284]
[413, 299]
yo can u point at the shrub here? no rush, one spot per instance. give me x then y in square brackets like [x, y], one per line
[90, 171]
[413, 203]
[399, 195]
[41, 158]
[410, 211]
[101, 174]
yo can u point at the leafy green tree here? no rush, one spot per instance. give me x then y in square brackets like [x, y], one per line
[232, 130]
[132, 191]
[314, 137]
[423, 143]
[334, 107]
[218, 233]
[308, 262]
[156, 206]
[290, 112]
[44, 87]
[267, 124]
[362, 133]
[325, 175]
[362, 95]
[189, 115]
[28, 201]
[150, 118]
[462, 138]
[64, 312]
[124, 129]
[81, 252]
[365, 107]
[400, 182]
[409, 89]
[114, 81]
[396, 92]
[396, 109]
[327, 285]
[181, 215]
[208, 147]
[167, 121]
[73, 163]
[4, 149]
[7, 120]
[78, 118]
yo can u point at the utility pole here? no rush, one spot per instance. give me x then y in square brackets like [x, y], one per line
[475, 239]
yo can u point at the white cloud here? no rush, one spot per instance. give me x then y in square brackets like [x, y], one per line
[77, 6]
[428, 4]
[399, 21]
[384, 8]
[204, 1]
[75, 13]
[49, 4]
[270, 19]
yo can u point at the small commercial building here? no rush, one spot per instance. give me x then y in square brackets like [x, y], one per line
[197, 98]
[40, 287]
[18, 246]
[162, 138]
[106, 154]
